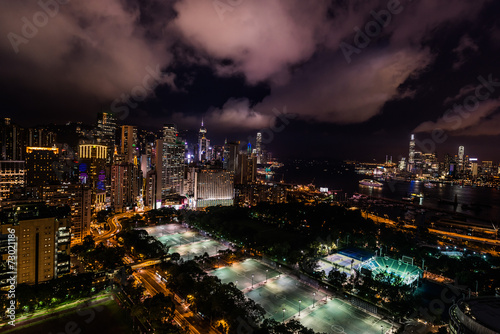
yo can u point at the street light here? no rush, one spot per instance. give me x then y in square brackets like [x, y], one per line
[314, 300]
[300, 302]
[267, 270]
[283, 314]
[252, 281]
[236, 283]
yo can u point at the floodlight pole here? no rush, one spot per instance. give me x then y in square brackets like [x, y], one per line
[300, 302]
[252, 281]
[314, 298]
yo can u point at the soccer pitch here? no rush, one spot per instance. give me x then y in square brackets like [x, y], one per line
[282, 292]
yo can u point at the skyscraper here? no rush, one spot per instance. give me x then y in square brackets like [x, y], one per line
[78, 198]
[461, 154]
[39, 165]
[129, 144]
[11, 141]
[231, 152]
[43, 239]
[172, 161]
[202, 143]
[106, 132]
[258, 147]
[411, 155]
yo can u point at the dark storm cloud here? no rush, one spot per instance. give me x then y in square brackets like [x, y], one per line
[337, 62]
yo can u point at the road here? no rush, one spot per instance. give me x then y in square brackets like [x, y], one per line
[483, 240]
[115, 226]
[183, 316]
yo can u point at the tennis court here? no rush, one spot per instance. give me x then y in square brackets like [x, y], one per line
[337, 316]
[188, 251]
[282, 292]
[243, 271]
[184, 241]
[285, 293]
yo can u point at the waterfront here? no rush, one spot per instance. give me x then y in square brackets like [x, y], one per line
[480, 202]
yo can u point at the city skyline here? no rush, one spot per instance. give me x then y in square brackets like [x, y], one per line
[353, 93]
[250, 166]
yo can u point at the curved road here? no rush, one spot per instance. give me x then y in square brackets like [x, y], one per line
[115, 226]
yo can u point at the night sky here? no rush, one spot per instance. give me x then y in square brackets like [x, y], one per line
[355, 78]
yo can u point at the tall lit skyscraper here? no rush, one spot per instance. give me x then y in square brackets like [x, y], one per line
[258, 147]
[202, 143]
[106, 132]
[411, 155]
[172, 161]
[461, 154]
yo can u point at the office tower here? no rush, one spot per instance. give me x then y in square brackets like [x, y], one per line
[473, 167]
[258, 147]
[411, 156]
[172, 161]
[402, 164]
[125, 186]
[12, 174]
[43, 241]
[231, 153]
[92, 159]
[202, 143]
[247, 169]
[213, 187]
[40, 165]
[106, 132]
[461, 153]
[11, 141]
[78, 198]
[129, 144]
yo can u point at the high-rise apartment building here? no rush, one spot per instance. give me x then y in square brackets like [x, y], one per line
[129, 144]
[247, 169]
[43, 242]
[78, 198]
[125, 186]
